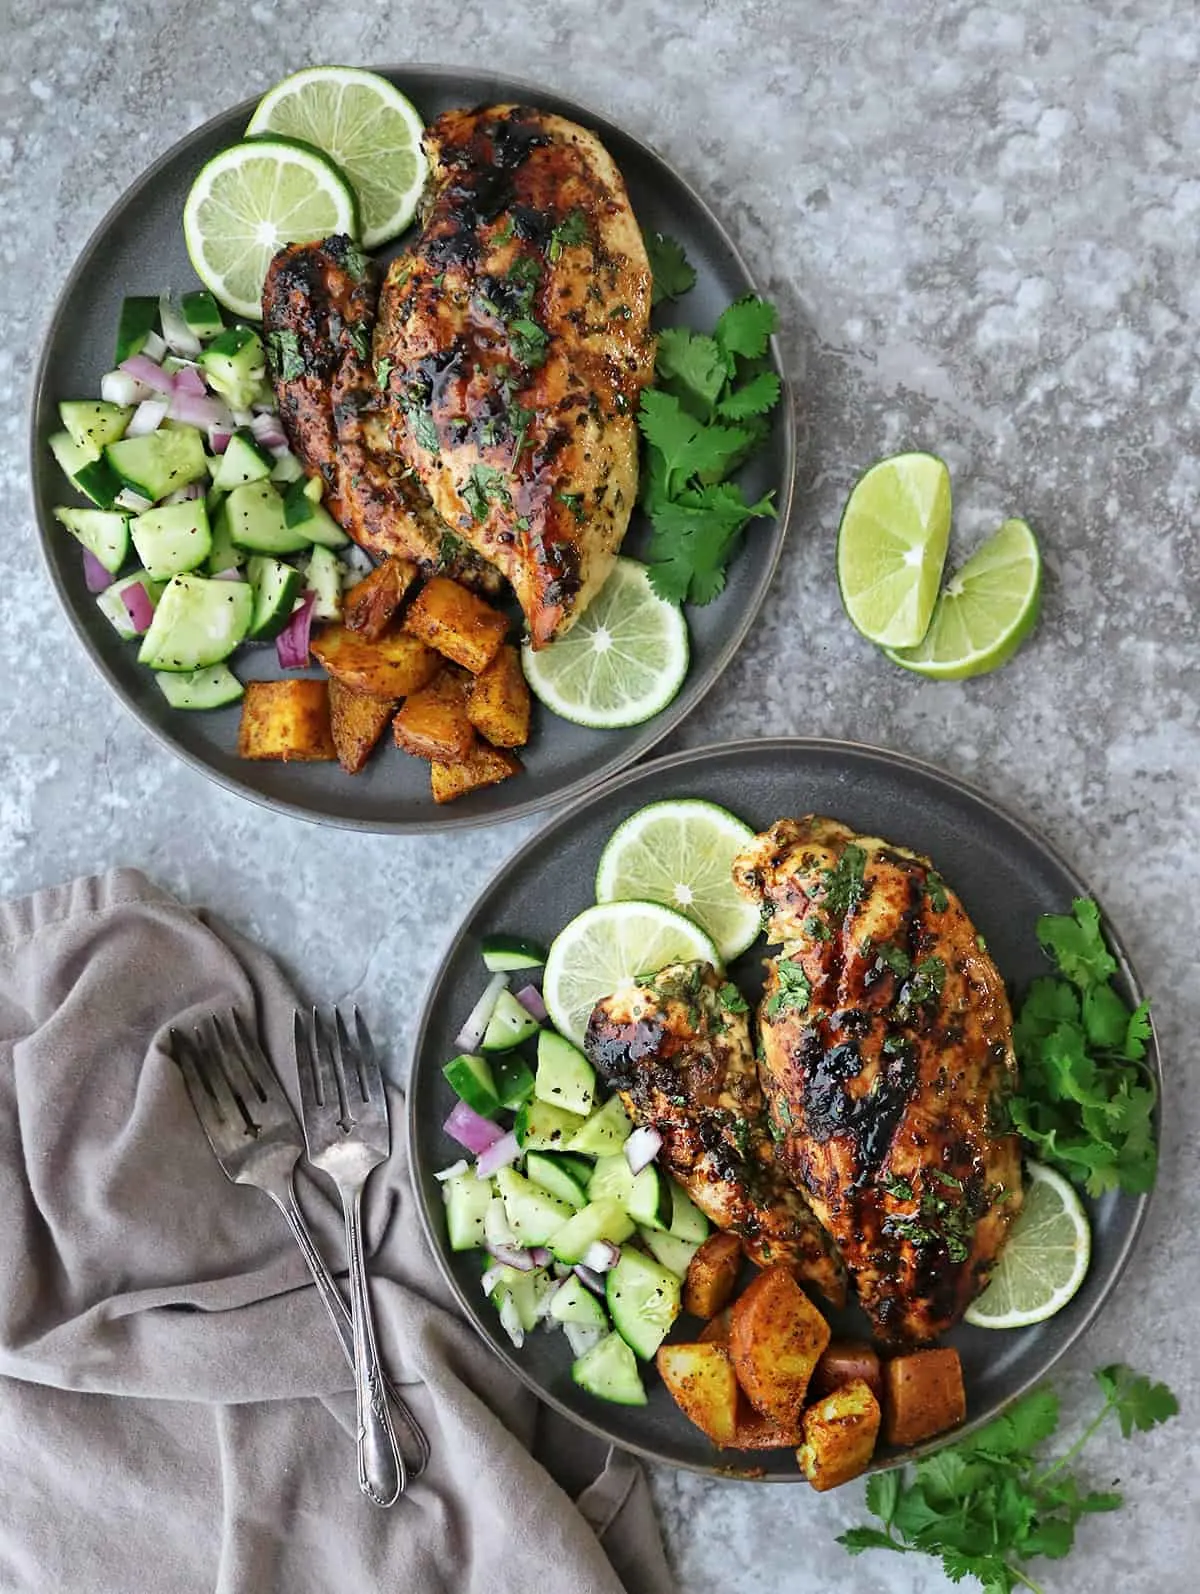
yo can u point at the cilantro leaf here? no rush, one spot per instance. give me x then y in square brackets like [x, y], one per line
[755, 397]
[793, 990]
[745, 326]
[1105, 1017]
[883, 1490]
[1137, 1033]
[693, 537]
[574, 230]
[1077, 945]
[284, 351]
[425, 432]
[1023, 1426]
[856, 1540]
[1137, 1402]
[731, 998]
[688, 447]
[692, 366]
[672, 273]
[485, 484]
[528, 341]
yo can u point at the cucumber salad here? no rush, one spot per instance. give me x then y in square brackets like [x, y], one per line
[576, 1226]
[201, 530]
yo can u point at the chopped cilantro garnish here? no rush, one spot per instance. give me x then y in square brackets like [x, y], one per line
[383, 369]
[528, 341]
[284, 349]
[935, 890]
[360, 341]
[794, 990]
[731, 998]
[571, 231]
[485, 485]
[842, 886]
[574, 502]
[673, 275]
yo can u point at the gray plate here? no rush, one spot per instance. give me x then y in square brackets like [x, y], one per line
[139, 248]
[1004, 872]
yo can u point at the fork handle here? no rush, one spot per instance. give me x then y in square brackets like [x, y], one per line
[380, 1467]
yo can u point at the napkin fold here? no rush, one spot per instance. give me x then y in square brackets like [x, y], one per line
[175, 1413]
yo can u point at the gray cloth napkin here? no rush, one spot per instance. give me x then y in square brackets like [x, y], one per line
[175, 1412]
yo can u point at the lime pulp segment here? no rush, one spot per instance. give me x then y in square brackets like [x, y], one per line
[892, 545]
[1045, 1259]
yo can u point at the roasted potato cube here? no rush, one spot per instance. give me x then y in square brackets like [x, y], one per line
[923, 1395]
[701, 1381]
[499, 701]
[371, 603]
[391, 667]
[484, 765]
[357, 721]
[716, 1332]
[287, 720]
[756, 1432]
[711, 1275]
[459, 625]
[776, 1337]
[839, 1435]
[433, 722]
[843, 1362]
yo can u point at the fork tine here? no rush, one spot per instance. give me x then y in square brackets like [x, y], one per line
[233, 1066]
[259, 1073]
[306, 1068]
[212, 1046]
[368, 1062]
[349, 1061]
[190, 1063]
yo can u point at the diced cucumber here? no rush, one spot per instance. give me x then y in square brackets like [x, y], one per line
[599, 1220]
[112, 605]
[235, 365]
[196, 623]
[545, 1169]
[496, 1228]
[159, 463]
[103, 532]
[210, 688]
[470, 1078]
[643, 1301]
[92, 423]
[286, 469]
[687, 1220]
[256, 521]
[514, 1080]
[543, 1128]
[565, 1078]
[504, 952]
[314, 489]
[525, 1290]
[224, 554]
[323, 575]
[646, 1196]
[673, 1253]
[244, 460]
[297, 505]
[276, 588]
[466, 1199]
[605, 1131]
[323, 529]
[86, 469]
[179, 336]
[534, 1215]
[173, 538]
[579, 1167]
[573, 1302]
[202, 315]
[139, 318]
[509, 1025]
[610, 1372]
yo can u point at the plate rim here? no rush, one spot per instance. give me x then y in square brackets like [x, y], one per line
[682, 759]
[438, 820]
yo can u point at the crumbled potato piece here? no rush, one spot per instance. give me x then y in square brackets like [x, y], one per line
[286, 720]
[701, 1381]
[499, 703]
[391, 667]
[839, 1436]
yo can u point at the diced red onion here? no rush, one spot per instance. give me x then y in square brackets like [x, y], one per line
[218, 438]
[189, 380]
[471, 1129]
[582, 1337]
[291, 645]
[184, 495]
[154, 348]
[491, 1278]
[232, 574]
[502, 1154]
[128, 499]
[542, 1256]
[196, 410]
[97, 577]
[138, 606]
[530, 999]
[268, 431]
[642, 1147]
[585, 1275]
[455, 1168]
[179, 336]
[472, 1032]
[496, 1228]
[510, 1321]
[118, 387]
[242, 417]
[601, 1256]
[143, 369]
[512, 1256]
[560, 1270]
[147, 418]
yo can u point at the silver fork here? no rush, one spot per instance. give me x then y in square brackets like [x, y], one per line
[257, 1141]
[344, 1111]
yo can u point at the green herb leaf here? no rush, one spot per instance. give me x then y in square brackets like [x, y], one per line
[573, 230]
[1077, 945]
[528, 342]
[693, 367]
[359, 339]
[424, 430]
[731, 998]
[935, 890]
[843, 886]
[758, 396]
[856, 1540]
[284, 349]
[383, 369]
[794, 989]
[1137, 1402]
[673, 275]
[745, 327]
[883, 1490]
[485, 484]
[692, 540]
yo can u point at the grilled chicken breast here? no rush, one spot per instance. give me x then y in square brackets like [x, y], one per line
[318, 316]
[512, 345]
[677, 1048]
[886, 1054]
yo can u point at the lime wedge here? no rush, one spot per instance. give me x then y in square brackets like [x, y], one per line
[622, 661]
[607, 947]
[681, 854]
[248, 202]
[985, 611]
[1045, 1259]
[891, 548]
[366, 127]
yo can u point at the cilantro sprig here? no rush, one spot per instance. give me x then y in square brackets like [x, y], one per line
[988, 1505]
[1086, 1101]
[702, 420]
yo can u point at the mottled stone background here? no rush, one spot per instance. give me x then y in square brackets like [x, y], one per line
[980, 225]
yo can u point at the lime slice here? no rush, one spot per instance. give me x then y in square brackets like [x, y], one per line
[248, 202]
[681, 854]
[891, 548]
[985, 612]
[607, 947]
[366, 127]
[1045, 1260]
[622, 661]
